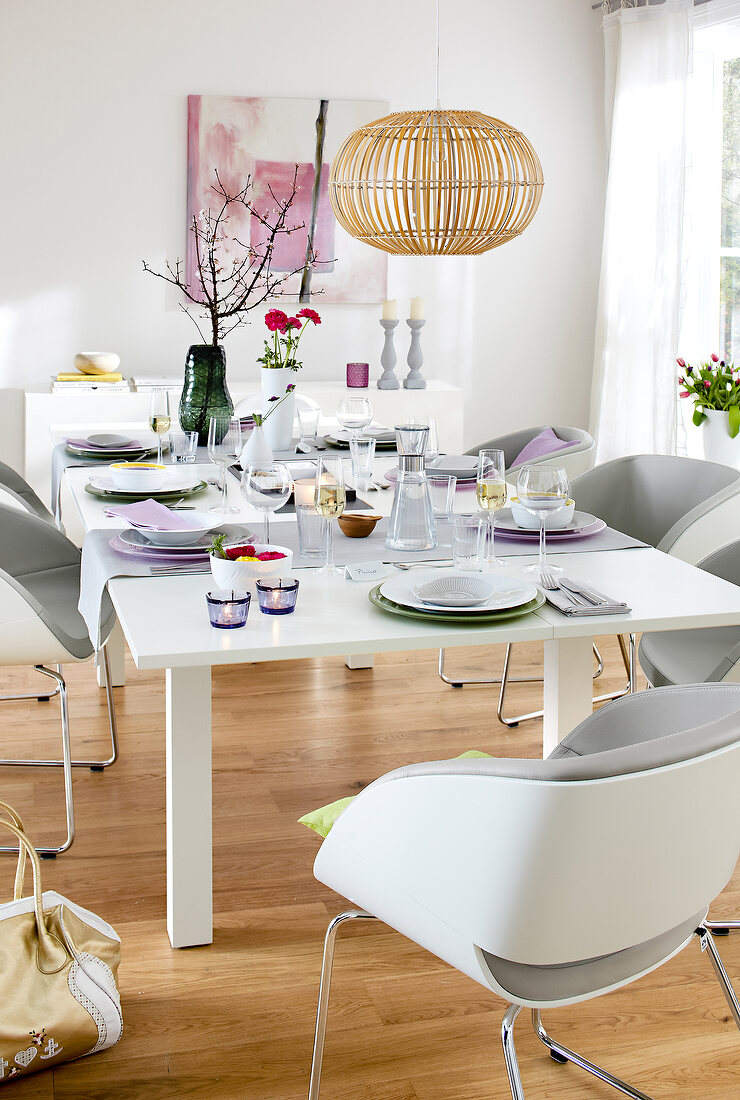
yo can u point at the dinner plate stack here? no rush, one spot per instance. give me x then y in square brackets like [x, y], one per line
[178, 485]
[582, 525]
[452, 597]
[111, 447]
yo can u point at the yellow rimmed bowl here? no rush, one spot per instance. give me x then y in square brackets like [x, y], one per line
[138, 476]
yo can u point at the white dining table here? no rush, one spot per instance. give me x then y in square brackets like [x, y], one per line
[166, 626]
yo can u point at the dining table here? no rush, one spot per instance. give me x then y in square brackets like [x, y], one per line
[166, 626]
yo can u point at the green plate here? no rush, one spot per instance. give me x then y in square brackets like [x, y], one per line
[471, 618]
[130, 498]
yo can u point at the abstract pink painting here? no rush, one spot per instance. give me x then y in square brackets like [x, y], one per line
[266, 139]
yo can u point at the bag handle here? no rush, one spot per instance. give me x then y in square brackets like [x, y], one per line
[20, 869]
[52, 954]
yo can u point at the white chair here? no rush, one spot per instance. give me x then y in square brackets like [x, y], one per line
[552, 882]
[576, 459]
[683, 506]
[40, 626]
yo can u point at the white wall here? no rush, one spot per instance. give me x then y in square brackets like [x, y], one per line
[94, 147]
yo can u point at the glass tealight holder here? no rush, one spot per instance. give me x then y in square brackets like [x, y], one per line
[228, 608]
[358, 375]
[277, 595]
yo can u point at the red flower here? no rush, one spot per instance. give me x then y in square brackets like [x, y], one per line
[715, 358]
[310, 315]
[276, 319]
[707, 385]
[681, 362]
[292, 322]
[684, 393]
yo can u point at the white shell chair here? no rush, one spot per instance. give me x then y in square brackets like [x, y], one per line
[683, 506]
[40, 625]
[552, 882]
[575, 460]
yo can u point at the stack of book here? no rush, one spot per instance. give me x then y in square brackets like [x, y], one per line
[70, 381]
[146, 384]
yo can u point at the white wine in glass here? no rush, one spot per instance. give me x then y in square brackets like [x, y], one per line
[159, 417]
[490, 492]
[542, 490]
[329, 501]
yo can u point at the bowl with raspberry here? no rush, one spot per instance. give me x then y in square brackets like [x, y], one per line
[234, 564]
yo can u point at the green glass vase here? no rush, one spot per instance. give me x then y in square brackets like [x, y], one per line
[204, 393]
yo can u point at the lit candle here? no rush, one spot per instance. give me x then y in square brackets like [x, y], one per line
[417, 309]
[390, 310]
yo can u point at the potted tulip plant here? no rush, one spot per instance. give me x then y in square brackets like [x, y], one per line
[714, 386]
[279, 364]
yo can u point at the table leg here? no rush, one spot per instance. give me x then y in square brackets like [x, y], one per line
[360, 660]
[116, 647]
[568, 688]
[189, 814]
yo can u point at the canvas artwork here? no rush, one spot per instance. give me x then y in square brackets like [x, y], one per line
[265, 139]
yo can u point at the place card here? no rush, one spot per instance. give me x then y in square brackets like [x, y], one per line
[366, 571]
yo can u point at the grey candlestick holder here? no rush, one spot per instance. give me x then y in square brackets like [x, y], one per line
[388, 380]
[413, 380]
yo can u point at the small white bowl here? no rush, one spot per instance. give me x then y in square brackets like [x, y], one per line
[138, 476]
[203, 520]
[235, 574]
[530, 522]
[97, 362]
[457, 591]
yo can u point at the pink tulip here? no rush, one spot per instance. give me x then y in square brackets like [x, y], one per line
[681, 363]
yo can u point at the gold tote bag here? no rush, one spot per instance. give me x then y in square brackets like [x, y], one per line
[58, 966]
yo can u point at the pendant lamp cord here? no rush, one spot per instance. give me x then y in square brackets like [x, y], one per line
[436, 75]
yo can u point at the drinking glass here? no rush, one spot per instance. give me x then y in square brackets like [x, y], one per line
[442, 494]
[266, 486]
[542, 490]
[311, 526]
[183, 446]
[159, 417]
[355, 414]
[329, 501]
[432, 448]
[308, 424]
[468, 542]
[490, 491]
[362, 452]
[224, 448]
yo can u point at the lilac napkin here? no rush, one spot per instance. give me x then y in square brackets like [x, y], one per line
[134, 445]
[150, 513]
[543, 444]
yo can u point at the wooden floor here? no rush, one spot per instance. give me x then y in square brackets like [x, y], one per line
[235, 1020]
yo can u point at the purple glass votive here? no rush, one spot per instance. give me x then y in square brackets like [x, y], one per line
[358, 375]
[277, 595]
[228, 608]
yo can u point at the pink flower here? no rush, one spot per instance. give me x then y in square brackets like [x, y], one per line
[681, 363]
[310, 315]
[292, 322]
[684, 393]
[707, 385]
[714, 358]
[276, 319]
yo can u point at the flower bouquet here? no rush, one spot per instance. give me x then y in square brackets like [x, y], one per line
[715, 387]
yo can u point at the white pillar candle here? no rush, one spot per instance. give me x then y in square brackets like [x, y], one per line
[390, 310]
[417, 309]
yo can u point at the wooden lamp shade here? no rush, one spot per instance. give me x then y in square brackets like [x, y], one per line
[425, 183]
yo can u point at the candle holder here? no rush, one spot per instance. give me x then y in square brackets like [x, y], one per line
[413, 380]
[388, 380]
[358, 375]
[277, 595]
[228, 609]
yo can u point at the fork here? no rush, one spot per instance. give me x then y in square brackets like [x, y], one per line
[550, 582]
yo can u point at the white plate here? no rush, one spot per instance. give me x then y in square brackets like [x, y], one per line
[455, 591]
[581, 522]
[175, 482]
[106, 441]
[508, 591]
[463, 466]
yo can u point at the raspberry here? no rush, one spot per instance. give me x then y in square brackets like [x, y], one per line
[234, 552]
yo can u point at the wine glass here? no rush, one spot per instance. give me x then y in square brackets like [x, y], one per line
[542, 490]
[159, 417]
[224, 448]
[490, 491]
[266, 486]
[329, 501]
[355, 414]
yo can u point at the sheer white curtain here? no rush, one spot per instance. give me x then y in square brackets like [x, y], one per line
[648, 53]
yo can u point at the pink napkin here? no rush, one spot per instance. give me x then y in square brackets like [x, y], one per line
[150, 513]
[134, 445]
[543, 444]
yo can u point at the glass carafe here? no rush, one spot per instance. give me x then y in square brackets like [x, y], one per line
[411, 525]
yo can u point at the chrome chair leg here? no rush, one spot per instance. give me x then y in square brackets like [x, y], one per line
[50, 851]
[515, 719]
[507, 1039]
[707, 944]
[324, 988]
[458, 683]
[722, 927]
[94, 765]
[629, 659]
[563, 1054]
[42, 696]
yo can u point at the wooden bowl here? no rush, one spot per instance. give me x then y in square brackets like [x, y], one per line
[357, 525]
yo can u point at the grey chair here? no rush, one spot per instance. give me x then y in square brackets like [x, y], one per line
[576, 459]
[682, 506]
[15, 487]
[552, 882]
[40, 625]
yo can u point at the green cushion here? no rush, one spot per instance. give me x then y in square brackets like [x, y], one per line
[322, 820]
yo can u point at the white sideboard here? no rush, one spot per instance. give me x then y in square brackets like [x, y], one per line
[49, 414]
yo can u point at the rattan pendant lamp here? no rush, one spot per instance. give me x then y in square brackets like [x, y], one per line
[435, 182]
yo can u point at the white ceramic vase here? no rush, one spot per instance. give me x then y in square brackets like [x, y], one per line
[718, 446]
[256, 449]
[279, 424]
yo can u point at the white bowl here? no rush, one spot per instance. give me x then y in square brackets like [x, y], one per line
[235, 574]
[456, 591]
[205, 522]
[530, 522]
[97, 362]
[138, 476]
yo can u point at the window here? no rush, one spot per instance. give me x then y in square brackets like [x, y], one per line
[729, 251]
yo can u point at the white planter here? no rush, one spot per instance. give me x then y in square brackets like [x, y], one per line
[256, 449]
[279, 425]
[718, 447]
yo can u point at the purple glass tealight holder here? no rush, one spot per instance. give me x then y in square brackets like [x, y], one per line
[277, 595]
[228, 608]
[358, 375]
